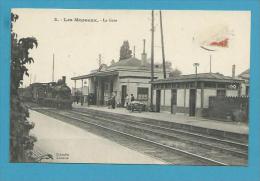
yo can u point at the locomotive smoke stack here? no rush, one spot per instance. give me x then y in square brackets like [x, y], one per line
[64, 79]
[233, 71]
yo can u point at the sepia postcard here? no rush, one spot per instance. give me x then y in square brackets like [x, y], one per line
[165, 87]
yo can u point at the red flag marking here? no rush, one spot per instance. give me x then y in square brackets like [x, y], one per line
[223, 43]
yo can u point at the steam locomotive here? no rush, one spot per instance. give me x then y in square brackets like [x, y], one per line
[52, 94]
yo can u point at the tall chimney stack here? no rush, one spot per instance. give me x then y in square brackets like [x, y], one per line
[233, 71]
[144, 46]
[134, 51]
[144, 55]
[64, 79]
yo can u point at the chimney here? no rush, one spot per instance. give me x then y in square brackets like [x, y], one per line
[233, 71]
[144, 55]
[64, 79]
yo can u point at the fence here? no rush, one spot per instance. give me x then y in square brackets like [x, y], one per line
[229, 108]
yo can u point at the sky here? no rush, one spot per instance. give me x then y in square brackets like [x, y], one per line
[77, 44]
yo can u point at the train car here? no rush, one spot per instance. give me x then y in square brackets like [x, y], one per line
[38, 91]
[25, 94]
[53, 94]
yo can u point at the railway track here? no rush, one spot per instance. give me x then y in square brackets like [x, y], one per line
[157, 141]
[237, 148]
[239, 140]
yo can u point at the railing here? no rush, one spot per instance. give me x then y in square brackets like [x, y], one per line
[229, 107]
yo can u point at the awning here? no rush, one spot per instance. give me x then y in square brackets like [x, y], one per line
[203, 77]
[96, 74]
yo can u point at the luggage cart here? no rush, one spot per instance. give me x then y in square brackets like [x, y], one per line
[136, 106]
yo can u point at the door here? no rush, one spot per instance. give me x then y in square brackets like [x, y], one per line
[111, 88]
[124, 92]
[158, 100]
[192, 109]
[102, 92]
[174, 101]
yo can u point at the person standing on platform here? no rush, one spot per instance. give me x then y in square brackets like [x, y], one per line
[113, 101]
[126, 100]
[132, 98]
[81, 100]
[87, 100]
[77, 99]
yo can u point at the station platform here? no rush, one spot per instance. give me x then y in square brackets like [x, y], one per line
[71, 144]
[236, 128]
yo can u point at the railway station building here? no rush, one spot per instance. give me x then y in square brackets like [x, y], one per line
[245, 75]
[189, 94]
[125, 77]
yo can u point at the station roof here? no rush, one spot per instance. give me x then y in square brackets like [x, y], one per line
[96, 74]
[125, 64]
[137, 63]
[206, 77]
[245, 74]
[35, 84]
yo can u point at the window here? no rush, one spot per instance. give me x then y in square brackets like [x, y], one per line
[221, 92]
[247, 90]
[106, 87]
[181, 85]
[221, 85]
[168, 86]
[142, 93]
[209, 85]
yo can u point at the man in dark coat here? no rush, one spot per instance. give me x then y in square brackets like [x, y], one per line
[132, 98]
[113, 101]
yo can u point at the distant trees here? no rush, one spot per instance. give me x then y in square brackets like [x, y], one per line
[168, 65]
[175, 72]
[21, 143]
[125, 51]
[112, 62]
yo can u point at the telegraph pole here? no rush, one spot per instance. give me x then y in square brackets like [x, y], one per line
[162, 41]
[53, 67]
[152, 59]
[196, 72]
[210, 63]
[209, 50]
[30, 79]
[196, 67]
[196, 82]
[163, 54]
[99, 60]
[144, 46]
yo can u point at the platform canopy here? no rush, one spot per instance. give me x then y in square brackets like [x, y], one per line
[96, 74]
[204, 77]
